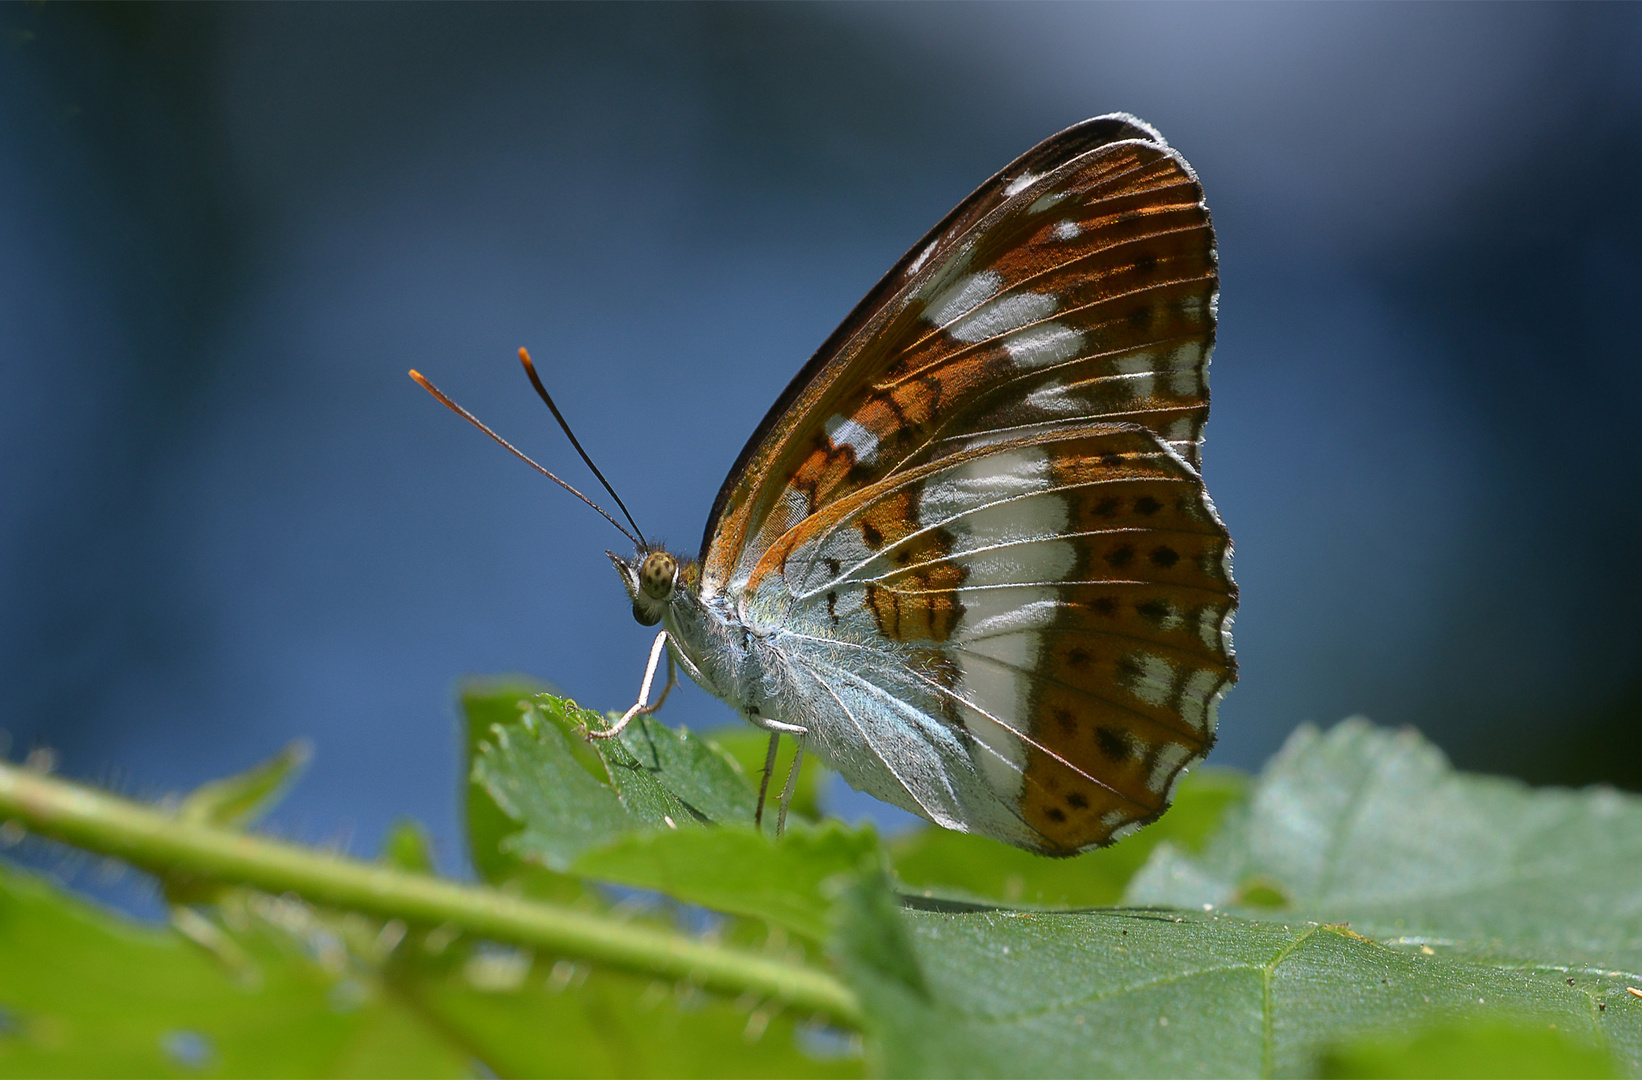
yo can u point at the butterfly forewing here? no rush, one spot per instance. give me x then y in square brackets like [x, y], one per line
[1109, 315]
[1080, 288]
[977, 518]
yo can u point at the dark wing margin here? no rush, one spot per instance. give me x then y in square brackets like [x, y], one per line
[1045, 157]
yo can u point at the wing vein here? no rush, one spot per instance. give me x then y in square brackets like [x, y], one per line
[924, 530]
[1018, 286]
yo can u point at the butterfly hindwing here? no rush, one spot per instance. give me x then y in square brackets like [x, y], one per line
[1059, 602]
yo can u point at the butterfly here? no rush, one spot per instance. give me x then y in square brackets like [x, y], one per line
[968, 558]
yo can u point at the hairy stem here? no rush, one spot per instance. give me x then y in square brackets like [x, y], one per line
[160, 842]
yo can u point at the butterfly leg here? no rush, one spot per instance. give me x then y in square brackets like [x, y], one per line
[792, 786]
[764, 784]
[641, 708]
[776, 729]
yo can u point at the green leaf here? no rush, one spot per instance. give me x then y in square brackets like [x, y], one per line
[736, 870]
[872, 938]
[1468, 898]
[1499, 1048]
[940, 863]
[241, 799]
[1152, 993]
[83, 993]
[1374, 828]
[638, 824]
[485, 704]
[571, 794]
[661, 771]
[530, 772]
[489, 705]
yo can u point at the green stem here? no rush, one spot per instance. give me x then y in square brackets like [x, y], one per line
[156, 841]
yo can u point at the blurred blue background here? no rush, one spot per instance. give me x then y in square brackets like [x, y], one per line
[229, 519]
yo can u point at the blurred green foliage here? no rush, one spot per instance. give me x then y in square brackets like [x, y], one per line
[1493, 930]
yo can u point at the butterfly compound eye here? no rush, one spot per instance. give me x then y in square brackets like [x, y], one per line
[657, 575]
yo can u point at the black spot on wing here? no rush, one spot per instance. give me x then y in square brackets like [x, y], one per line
[1113, 744]
[1154, 611]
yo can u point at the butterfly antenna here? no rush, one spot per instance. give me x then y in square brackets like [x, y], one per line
[536, 381]
[516, 452]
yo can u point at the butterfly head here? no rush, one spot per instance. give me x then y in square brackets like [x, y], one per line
[652, 578]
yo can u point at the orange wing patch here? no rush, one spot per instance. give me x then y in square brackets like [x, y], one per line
[1137, 657]
[1074, 813]
[919, 600]
[1118, 713]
